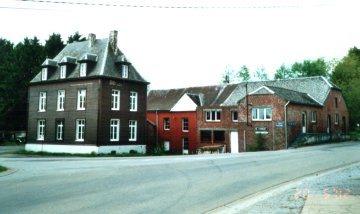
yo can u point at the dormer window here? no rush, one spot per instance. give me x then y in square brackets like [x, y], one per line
[124, 71]
[44, 73]
[63, 72]
[83, 69]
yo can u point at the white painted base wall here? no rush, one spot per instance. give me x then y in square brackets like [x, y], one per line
[72, 149]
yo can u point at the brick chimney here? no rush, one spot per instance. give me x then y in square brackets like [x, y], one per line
[113, 41]
[91, 38]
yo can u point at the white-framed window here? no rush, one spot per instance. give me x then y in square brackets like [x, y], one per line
[133, 101]
[132, 130]
[114, 129]
[62, 71]
[336, 119]
[81, 99]
[313, 116]
[166, 123]
[83, 69]
[40, 130]
[185, 124]
[44, 74]
[261, 113]
[80, 130]
[115, 99]
[59, 130]
[42, 101]
[213, 115]
[124, 71]
[234, 116]
[60, 100]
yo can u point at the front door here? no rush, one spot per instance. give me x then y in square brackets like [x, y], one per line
[234, 142]
[304, 122]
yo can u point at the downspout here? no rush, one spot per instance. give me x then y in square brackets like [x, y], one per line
[157, 128]
[286, 134]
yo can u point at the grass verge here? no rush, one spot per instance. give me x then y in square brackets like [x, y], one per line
[2, 168]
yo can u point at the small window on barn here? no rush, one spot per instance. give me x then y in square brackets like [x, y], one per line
[234, 116]
[219, 136]
[205, 135]
[336, 119]
[166, 123]
[313, 117]
[336, 102]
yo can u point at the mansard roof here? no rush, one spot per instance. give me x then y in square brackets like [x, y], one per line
[103, 55]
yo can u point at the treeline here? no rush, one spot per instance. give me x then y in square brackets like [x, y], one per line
[18, 65]
[345, 73]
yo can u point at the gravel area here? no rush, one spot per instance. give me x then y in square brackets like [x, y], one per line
[337, 184]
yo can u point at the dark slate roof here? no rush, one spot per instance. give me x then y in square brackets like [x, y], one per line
[100, 54]
[164, 100]
[317, 88]
[294, 97]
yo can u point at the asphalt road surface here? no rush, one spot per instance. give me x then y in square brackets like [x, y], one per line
[173, 184]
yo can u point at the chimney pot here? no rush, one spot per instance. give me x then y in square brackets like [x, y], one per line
[113, 40]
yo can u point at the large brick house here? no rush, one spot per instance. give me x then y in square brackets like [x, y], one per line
[280, 111]
[88, 99]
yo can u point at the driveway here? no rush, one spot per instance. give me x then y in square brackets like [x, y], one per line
[175, 184]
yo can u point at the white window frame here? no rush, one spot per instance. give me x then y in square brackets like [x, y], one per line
[41, 125]
[81, 99]
[166, 121]
[114, 130]
[60, 100]
[313, 116]
[42, 101]
[59, 130]
[133, 100]
[83, 69]
[125, 71]
[62, 71]
[261, 114]
[115, 99]
[233, 116]
[80, 130]
[44, 74]
[132, 130]
[213, 115]
[185, 124]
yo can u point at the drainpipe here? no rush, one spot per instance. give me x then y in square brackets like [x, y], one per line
[286, 134]
[157, 128]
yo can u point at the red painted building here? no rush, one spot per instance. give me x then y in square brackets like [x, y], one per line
[231, 118]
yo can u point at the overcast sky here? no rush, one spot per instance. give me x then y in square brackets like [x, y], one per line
[182, 43]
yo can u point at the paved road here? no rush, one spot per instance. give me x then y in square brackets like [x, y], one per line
[178, 184]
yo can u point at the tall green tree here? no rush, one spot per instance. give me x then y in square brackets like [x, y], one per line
[284, 73]
[309, 68]
[244, 74]
[347, 76]
[53, 45]
[77, 37]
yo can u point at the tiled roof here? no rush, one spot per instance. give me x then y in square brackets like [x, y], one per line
[99, 53]
[306, 91]
[317, 88]
[164, 100]
[294, 96]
